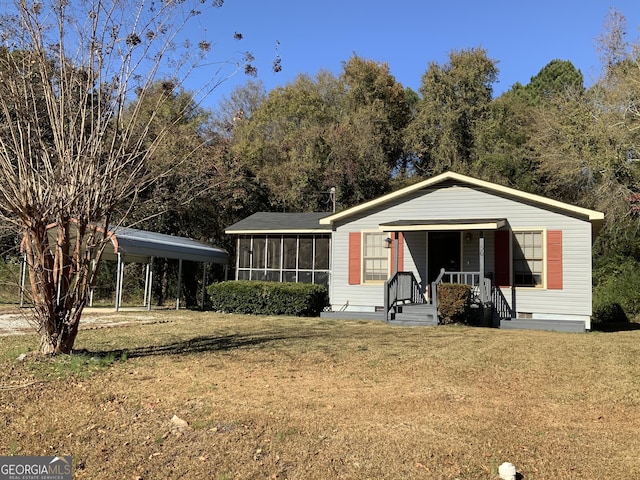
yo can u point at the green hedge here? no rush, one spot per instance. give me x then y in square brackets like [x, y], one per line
[268, 298]
[615, 295]
[454, 303]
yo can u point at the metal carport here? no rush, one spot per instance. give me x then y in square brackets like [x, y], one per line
[140, 246]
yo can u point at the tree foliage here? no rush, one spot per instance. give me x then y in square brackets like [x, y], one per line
[324, 132]
[455, 98]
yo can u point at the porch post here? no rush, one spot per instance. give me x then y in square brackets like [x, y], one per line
[396, 247]
[483, 298]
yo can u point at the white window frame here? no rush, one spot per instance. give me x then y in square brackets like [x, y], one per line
[543, 258]
[383, 257]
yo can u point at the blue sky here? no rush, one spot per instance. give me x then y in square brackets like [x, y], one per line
[409, 34]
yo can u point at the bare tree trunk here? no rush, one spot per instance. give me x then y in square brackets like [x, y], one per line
[61, 282]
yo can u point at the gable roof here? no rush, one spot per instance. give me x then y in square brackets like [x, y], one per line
[591, 215]
[279, 222]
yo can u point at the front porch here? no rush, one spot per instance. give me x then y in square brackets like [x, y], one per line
[423, 254]
[405, 304]
[461, 251]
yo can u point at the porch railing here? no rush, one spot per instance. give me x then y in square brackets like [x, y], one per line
[401, 288]
[481, 290]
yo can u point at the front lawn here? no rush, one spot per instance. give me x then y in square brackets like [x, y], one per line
[283, 397]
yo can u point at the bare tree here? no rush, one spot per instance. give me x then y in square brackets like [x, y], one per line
[72, 148]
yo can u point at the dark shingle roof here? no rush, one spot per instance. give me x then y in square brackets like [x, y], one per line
[278, 222]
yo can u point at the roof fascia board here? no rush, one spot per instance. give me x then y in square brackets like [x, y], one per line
[279, 232]
[443, 226]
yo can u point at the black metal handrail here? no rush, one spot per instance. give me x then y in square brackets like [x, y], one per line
[402, 287]
[500, 305]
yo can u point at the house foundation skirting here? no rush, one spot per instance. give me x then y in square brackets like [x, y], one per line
[568, 326]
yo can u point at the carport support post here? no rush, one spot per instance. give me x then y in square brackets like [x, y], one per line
[93, 267]
[205, 267]
[148, 284]
[179, 284]
[118, 281]
[23, 273]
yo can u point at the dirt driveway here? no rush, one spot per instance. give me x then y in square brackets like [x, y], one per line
[15, 321]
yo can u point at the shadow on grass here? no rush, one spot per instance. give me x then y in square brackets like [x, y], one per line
[610, 327]
[611, 317]
[197, 345]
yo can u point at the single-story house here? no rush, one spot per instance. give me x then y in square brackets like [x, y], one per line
[527, 257]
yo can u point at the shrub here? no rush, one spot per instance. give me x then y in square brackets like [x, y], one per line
[609, 313]
[454, 303]
[615, 295]
[268, 298]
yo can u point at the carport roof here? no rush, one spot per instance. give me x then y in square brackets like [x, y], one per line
[139, 246]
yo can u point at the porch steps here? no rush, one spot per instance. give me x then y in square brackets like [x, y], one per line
[415, 315]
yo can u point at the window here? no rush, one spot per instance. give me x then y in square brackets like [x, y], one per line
[258, 252]
[321, 260]
[274, 246]
[528, 260]
[244, 253]
[305, 253]
[290, 253]
[375, 257]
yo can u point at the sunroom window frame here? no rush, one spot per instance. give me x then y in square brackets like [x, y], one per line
[261, 270]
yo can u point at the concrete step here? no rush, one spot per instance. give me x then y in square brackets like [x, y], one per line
[416, 314]
[413, 323]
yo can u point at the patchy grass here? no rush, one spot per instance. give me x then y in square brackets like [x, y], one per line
[279, 397]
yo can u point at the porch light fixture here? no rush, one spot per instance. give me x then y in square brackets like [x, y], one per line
[467, 237]
[387, 242]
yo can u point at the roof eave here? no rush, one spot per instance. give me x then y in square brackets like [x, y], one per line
[284, 231]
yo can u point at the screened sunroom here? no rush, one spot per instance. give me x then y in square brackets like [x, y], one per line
[296, 249]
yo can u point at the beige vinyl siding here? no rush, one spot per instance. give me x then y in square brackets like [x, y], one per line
[465, 202]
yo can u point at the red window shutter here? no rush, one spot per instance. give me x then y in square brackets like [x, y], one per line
[355, 250]
[399, 236]
[554, 259]
[502, 258]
